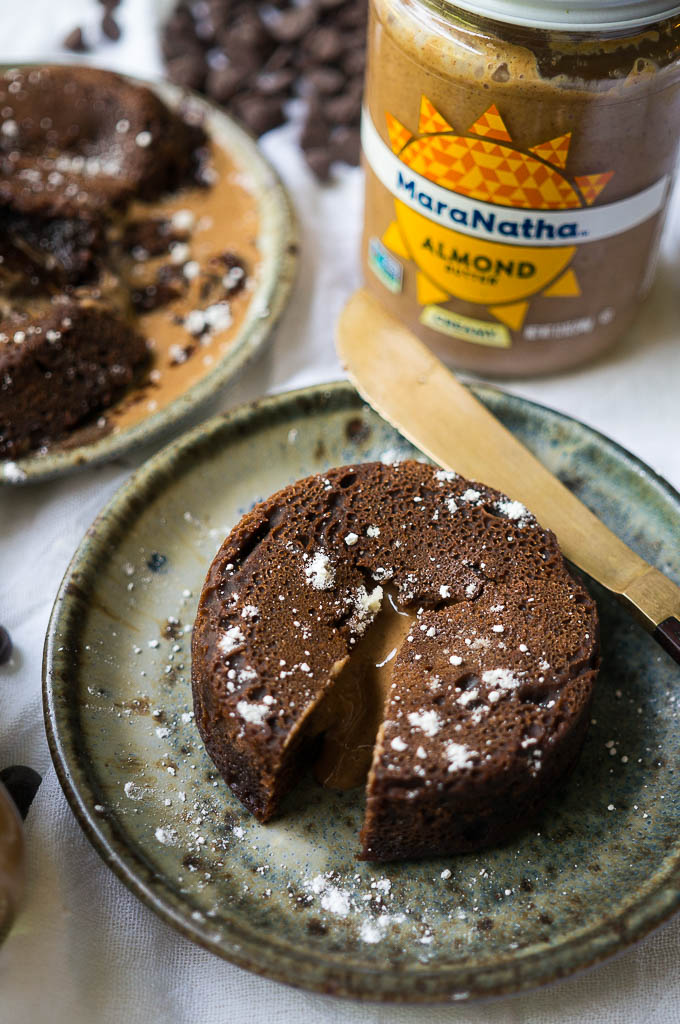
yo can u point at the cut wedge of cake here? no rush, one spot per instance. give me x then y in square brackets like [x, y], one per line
[401, 619]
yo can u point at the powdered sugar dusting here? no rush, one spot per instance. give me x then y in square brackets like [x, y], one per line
[12, 473]
[514, 510]
[319, 571]
[471, 495]
[428, 721]
[231, 640]
[254, 713]
[500, 678]
[366, 607]
[459, 756]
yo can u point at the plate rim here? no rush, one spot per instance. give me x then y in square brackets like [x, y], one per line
[537, 966]
[276, 210]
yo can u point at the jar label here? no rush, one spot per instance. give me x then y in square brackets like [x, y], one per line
[487, 223]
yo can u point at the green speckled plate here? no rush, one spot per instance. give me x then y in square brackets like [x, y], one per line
[596, 871]
[277, 245]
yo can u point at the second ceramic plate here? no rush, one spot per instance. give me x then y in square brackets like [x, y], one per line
[147, 412]
[596, 871]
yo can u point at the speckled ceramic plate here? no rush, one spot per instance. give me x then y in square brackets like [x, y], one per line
[597, 870]
[277, 245]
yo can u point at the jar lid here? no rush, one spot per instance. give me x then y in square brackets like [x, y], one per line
[575, 16]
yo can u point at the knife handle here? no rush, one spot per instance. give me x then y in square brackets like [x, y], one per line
[667, 634]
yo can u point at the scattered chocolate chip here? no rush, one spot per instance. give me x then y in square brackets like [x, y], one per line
[324, 45]
[293, 24]
[346, 145]
[156, 561]
[222, 84]
[188, 70]
[345, 109]
[22, 783]
[326, 81]
[273, 83]
[75, 41]
[353, 62]
[319, 159]
[6, 646]
[316, 131]
[282, 57]
[247, 35]
[252, 57]
[110, 27]
[259, 113]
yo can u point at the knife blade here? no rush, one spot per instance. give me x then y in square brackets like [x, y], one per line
[413, 390]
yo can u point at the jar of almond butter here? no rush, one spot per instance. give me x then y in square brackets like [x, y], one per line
[519, 159]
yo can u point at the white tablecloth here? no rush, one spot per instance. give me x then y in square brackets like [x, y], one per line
[84, 949]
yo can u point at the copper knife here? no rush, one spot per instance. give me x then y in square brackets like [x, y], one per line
[413, 390]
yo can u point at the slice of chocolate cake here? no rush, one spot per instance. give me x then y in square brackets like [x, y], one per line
[77, 145]
[484, 702]
[59, 367]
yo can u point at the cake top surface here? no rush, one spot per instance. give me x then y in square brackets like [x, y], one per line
[498, 629]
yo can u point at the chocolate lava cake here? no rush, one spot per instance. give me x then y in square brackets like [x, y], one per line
[77, 145]
[482, 701]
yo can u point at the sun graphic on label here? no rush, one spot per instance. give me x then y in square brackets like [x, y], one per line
[482, 166]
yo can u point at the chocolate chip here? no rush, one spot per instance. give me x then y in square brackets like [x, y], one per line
[320, 160]
[247, 33]
[292, 25]
[259, 113]
[346, 145]
[352, 15]
[272, 83]
[345, 109]
[224, 83]
[324, 44]
[22, 783]
[252, 57]
[6, 646]
[316, 130]
[282, 57]
[179, 28]
[156, 561]
[110, 27]
[326, 81]
[188, 70]
[353, 62]
[75, 41]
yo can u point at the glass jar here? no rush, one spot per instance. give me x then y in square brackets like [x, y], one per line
[518, 166]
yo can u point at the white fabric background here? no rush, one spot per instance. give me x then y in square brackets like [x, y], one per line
[84, 949]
